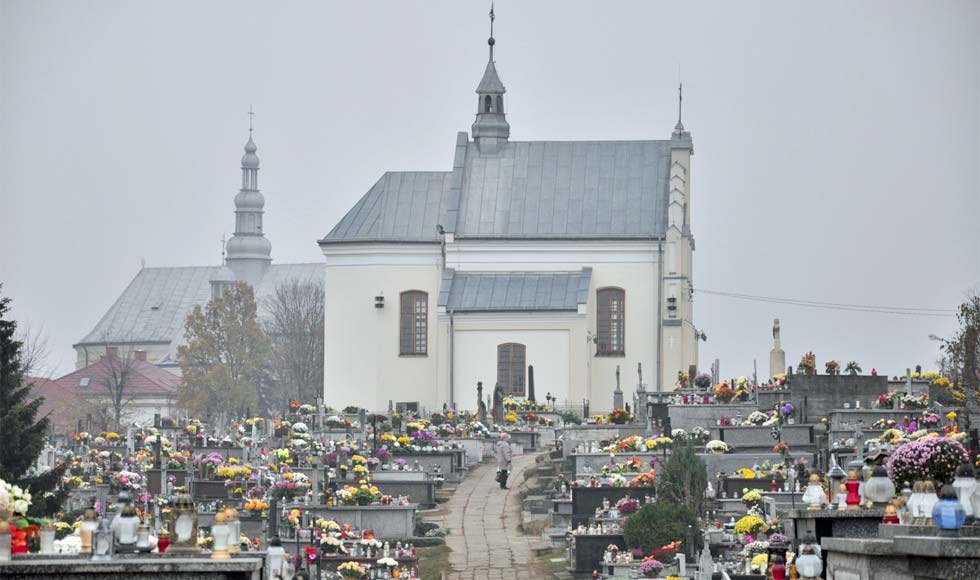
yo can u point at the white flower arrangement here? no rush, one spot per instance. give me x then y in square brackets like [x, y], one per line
[71, 544]
[717, 446]
[757, 418]
[700, 434]
[329, 540]
[617, 480]
[678, 434]
[388, 562]
[300, 427]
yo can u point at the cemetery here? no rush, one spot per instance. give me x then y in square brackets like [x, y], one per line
[756, 490]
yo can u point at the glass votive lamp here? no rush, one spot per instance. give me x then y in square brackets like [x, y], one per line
[947, 513]
[879, 489]
[965, 484]
[929, 500]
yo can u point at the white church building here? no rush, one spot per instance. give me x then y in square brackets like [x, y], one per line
[574, 257]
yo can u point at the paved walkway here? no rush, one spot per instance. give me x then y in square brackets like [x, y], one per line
[485, 540]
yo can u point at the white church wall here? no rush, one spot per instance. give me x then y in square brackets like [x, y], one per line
[362, 364]
[631, 265]
[639, 279]
[549, 351]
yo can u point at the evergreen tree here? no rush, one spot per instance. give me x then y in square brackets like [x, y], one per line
[22, 434]
[683, 479]
[225, 363]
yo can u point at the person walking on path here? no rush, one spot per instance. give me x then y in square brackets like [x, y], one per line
[504, 456]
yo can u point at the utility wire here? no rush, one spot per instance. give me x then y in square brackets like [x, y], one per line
[899, 310]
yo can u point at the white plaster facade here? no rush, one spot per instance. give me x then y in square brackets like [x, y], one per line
[363, 366]
[606, 214]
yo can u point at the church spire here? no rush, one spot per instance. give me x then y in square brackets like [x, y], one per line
[679, 127]
[248, 251]
[490, 130]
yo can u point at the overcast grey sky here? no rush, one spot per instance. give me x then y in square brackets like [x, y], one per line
[837, 144]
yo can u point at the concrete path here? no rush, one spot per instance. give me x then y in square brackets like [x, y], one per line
[485, 540]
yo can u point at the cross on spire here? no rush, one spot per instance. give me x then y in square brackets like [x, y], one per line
[680, 100]
[251, 114]
[491, 20]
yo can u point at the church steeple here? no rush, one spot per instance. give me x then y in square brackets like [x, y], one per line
[490, 130]
[249, 252]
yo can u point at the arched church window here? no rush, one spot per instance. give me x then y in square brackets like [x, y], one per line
[500, 103]
[488, 104]
[512, 368]
[413, 334]
[611, 321]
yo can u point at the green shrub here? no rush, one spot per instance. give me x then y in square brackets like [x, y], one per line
[570, 418]
[658, 524]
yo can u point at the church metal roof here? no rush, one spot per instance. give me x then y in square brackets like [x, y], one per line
[514, 291]
[402, 206]
[581, 189]
[526, 190]
[157, 301]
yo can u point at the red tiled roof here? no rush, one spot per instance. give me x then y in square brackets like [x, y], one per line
[60, 404]
[144, 379]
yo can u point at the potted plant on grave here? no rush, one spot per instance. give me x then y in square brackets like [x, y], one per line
[384, 456]
[935, 458]
[831, 366]
[702, 381]
[751, 497]
[682, 379]
[351, 570]
[853, 368]
[651, 567]
[808, 364]
[887, 400]
[330, 545]
[619, 417]
[723, 392]
[716, 447]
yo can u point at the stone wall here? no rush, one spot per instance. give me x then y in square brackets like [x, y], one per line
[689, 416]
[761, 437]
[842, 566]
[815, 396]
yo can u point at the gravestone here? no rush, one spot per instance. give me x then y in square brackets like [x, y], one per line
[498, 404]
[530, 383]
[481, 405]
[618, 393]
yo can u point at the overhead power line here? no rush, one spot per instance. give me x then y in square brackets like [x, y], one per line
[894, 310]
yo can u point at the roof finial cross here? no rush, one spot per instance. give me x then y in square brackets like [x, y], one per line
[251, 114]
[491, 20]
[680, 100]
[490, 40]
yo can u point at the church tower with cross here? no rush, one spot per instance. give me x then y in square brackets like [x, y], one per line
[249, 252]
[490, 130]
[148, 318]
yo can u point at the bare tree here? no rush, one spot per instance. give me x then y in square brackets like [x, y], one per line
[962, 350]
[294, 322]
[34, 353]
[119, 370]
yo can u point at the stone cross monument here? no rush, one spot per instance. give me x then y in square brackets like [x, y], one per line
[618, 393]
[777, 357]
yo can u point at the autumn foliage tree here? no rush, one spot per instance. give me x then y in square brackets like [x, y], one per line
[225, 363]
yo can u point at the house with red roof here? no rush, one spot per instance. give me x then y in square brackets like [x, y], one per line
[88, 394]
